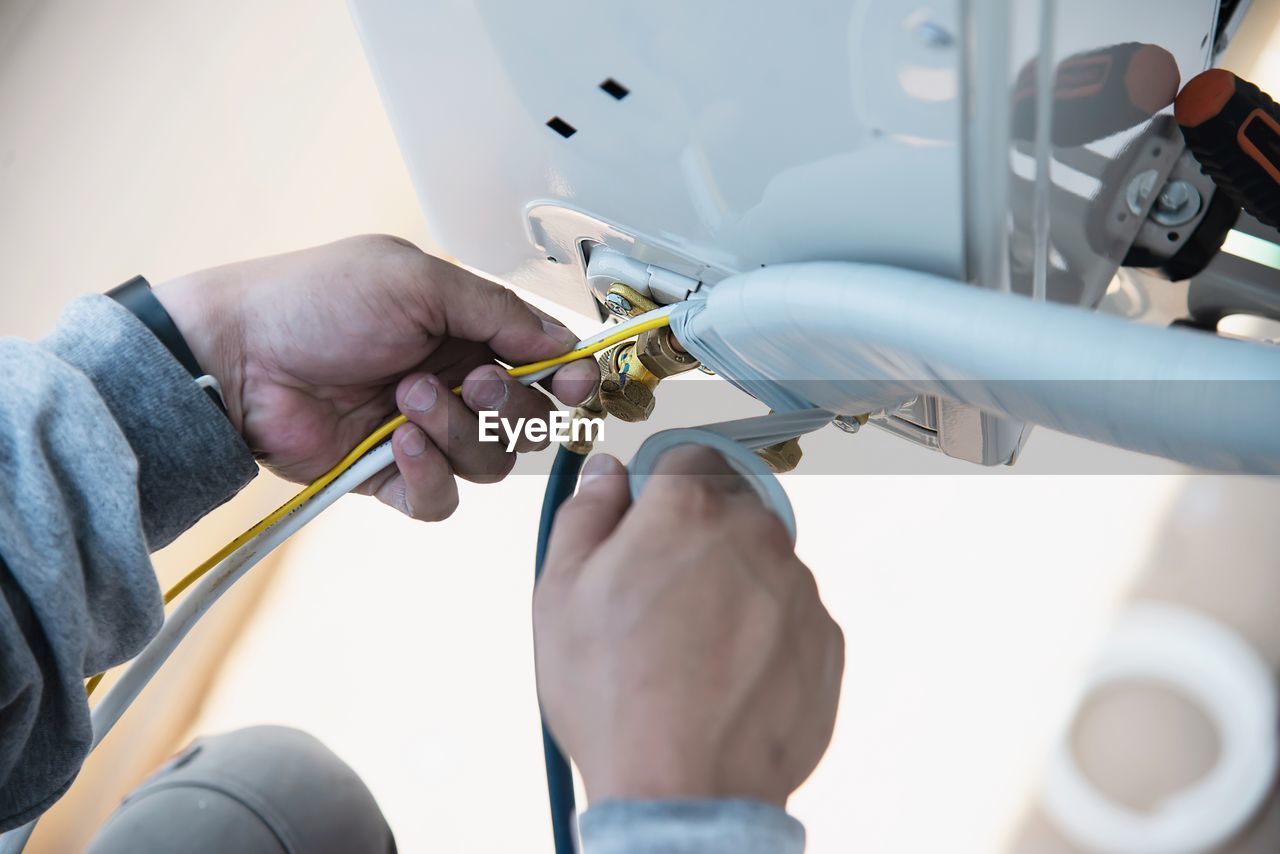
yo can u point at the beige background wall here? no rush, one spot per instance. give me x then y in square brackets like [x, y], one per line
[159, 136]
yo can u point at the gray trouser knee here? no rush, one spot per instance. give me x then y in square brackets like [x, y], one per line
[262, 790]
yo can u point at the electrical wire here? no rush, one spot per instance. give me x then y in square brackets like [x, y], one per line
[237, 557]
[526, 374]
[223, 575]
[560, 485]
[603, 339]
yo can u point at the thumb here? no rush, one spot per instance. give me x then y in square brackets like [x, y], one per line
[587, 519]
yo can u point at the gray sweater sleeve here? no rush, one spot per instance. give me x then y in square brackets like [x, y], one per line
[689, 827]
[108, 450]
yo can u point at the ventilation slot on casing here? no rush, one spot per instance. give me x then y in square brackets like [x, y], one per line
[561, 127]
[614, 88]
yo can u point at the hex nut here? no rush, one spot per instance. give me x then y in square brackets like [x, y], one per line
[782, 457]
[658, 352]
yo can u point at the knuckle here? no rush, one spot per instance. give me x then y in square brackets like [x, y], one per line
[508, 301]
[384, 243]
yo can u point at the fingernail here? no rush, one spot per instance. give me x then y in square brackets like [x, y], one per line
[421, 396]
[490, 390]
[413, 442]
[559, 332]
[597, 466]
[584, 372]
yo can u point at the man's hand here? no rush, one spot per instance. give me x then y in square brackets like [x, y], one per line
[315, 349]
[682, 648]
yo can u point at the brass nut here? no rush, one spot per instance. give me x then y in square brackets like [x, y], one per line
[626, 400]
[782, 457]
[661, 354]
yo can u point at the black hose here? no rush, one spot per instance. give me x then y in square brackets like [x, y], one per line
[560, 485]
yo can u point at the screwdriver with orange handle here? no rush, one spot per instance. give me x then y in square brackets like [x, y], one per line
[1233, 128]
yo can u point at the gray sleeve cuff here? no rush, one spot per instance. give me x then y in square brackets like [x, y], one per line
[190, 458]
[676, 827]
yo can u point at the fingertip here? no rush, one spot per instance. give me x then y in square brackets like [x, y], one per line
[424, 487]
[576, 381]
[409, 440]
[417, 394]
[693, 459]
[587, 519]
[564, 337]
[486, 388]
[597, 468]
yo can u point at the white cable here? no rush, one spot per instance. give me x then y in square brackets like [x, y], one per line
[234, 566]
[217, 582]
[231, 569]
[194, 605]
[629, 323]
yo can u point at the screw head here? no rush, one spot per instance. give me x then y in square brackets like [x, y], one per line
[1177, 204]
[847, 423]
[618, 304]
[1174, 195]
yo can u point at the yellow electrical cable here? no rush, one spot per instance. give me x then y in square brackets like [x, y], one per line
[367, 444]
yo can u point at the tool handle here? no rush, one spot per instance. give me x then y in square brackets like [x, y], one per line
[1233, 128]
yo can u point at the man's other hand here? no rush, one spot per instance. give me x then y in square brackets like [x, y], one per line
[682, 648]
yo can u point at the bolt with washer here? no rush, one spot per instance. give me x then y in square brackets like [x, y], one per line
[1177, 204]
[618, 304]
[849, 423]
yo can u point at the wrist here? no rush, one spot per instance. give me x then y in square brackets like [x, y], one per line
[677, 781]
[204, 313]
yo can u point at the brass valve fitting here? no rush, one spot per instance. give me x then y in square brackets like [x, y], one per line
[626, 301]
[661, 353]
[782, 457]
[631, 372]
[589, 409]
[626, 385]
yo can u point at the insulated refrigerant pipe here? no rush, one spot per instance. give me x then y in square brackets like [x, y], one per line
[853, 338]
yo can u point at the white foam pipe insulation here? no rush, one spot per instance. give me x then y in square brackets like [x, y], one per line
[855, 338]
